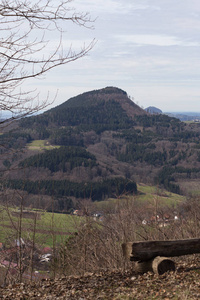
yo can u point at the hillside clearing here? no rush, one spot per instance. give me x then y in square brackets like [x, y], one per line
[40, 145]
[147, 196]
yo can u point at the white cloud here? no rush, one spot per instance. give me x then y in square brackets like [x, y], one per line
[156, 40]
[111, 6]
[143, 39]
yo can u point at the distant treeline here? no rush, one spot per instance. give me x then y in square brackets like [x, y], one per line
[96, 191]
[154, 120]
[166, 177]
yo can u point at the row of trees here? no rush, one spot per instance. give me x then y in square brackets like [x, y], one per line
[61, 159]
[161, 119]
[166, 177]
[96, 191]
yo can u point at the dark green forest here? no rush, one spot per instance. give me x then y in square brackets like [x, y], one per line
[62, 159]
[96, 191]
[99, 117]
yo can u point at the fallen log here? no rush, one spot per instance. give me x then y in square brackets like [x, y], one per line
[158, 265]
[145, 251]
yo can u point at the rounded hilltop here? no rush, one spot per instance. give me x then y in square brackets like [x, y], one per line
[100, 97]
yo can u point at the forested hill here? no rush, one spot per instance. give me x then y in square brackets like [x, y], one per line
[101, 97]
[99, 110]
[99, 144]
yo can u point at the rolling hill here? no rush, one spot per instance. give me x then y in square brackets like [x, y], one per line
[99, 144]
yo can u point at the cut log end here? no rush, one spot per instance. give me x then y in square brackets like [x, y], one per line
[161, 265]
[158, 265]
[127, 250]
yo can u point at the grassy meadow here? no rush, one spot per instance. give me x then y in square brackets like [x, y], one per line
[147, 196]
[53, 228]
[40, 145]
[48, 228]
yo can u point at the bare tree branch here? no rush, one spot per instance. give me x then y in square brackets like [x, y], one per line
[25, 52]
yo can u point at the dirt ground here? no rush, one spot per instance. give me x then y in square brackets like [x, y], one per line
[182, 284]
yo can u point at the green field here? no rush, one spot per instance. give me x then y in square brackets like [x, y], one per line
[150, 194]
[48, 227]
[53, 228]
[40, 145]
[147, 196]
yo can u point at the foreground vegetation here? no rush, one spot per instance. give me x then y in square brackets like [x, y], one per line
[91, 241]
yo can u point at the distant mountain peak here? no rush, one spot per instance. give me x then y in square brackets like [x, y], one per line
[153, 110]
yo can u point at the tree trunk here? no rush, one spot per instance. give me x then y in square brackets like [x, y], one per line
[144, 251]
[159, 265]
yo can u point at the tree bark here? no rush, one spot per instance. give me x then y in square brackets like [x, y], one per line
[144, 251]
[158, 265]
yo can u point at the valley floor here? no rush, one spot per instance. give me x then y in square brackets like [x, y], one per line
[184, 283]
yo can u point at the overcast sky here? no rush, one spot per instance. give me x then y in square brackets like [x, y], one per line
[149, 48]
